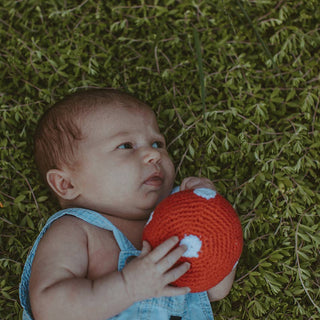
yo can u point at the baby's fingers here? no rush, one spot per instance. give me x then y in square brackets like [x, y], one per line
[171, 258]
[171, 291]
[196, 182]
[162, 250]
[177, 272]
[146, 248]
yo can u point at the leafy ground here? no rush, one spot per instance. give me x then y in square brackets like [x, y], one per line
[235, 84]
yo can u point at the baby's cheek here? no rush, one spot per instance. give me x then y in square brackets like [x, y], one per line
[170, 171]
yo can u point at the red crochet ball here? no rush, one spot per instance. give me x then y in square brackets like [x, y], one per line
[208, 225]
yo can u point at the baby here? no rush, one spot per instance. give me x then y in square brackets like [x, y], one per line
[102, 154]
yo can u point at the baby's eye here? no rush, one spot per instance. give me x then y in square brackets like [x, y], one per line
[157, 144]
[126, 145]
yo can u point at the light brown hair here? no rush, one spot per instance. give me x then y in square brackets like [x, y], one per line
[58, 132]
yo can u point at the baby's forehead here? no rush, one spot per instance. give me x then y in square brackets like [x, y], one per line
[125, 107]
[122, 108]
[118, 117]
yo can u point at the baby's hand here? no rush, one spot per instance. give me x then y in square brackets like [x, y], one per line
[195, 183]
[150, 274]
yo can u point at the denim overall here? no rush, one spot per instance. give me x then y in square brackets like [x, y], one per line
[192, 306]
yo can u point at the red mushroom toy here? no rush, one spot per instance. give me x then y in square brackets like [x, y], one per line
[208, 225]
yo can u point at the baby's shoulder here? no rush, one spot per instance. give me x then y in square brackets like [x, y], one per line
[87, 250]
[70, 231]
[63, 233]
[72, 227]
[67, 226]
[102, 250]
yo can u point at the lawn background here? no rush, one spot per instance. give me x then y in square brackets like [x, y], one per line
[235, 84]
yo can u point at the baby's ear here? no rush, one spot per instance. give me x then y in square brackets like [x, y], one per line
[60, 182]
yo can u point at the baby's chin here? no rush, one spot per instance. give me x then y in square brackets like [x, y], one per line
[152, 200]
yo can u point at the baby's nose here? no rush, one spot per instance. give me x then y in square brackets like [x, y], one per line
[151, 155]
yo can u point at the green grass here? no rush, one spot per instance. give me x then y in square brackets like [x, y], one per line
[235, 85]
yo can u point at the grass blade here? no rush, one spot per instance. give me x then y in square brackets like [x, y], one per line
[200, 70]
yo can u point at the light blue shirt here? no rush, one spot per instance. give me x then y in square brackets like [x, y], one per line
[185, 307]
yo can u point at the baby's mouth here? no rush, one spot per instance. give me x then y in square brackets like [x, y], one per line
[155, 180]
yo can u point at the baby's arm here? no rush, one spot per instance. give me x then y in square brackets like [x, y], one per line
[222, 289]
[60, 290]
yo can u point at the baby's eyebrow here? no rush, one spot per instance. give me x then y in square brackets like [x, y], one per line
[159, 135]
[120, 134]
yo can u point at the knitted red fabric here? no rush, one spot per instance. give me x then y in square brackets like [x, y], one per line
[213, 221]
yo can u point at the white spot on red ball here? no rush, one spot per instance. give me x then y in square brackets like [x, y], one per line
[205, 193]
[193, 243]
[150, 218]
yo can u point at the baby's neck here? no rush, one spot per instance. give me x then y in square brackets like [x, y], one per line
[132, 229]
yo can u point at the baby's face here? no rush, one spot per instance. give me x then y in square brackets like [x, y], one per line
[123, 168]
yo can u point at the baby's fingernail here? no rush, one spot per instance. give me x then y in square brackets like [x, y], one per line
[184, 247]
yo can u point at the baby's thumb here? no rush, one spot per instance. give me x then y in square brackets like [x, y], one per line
[146, 248]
